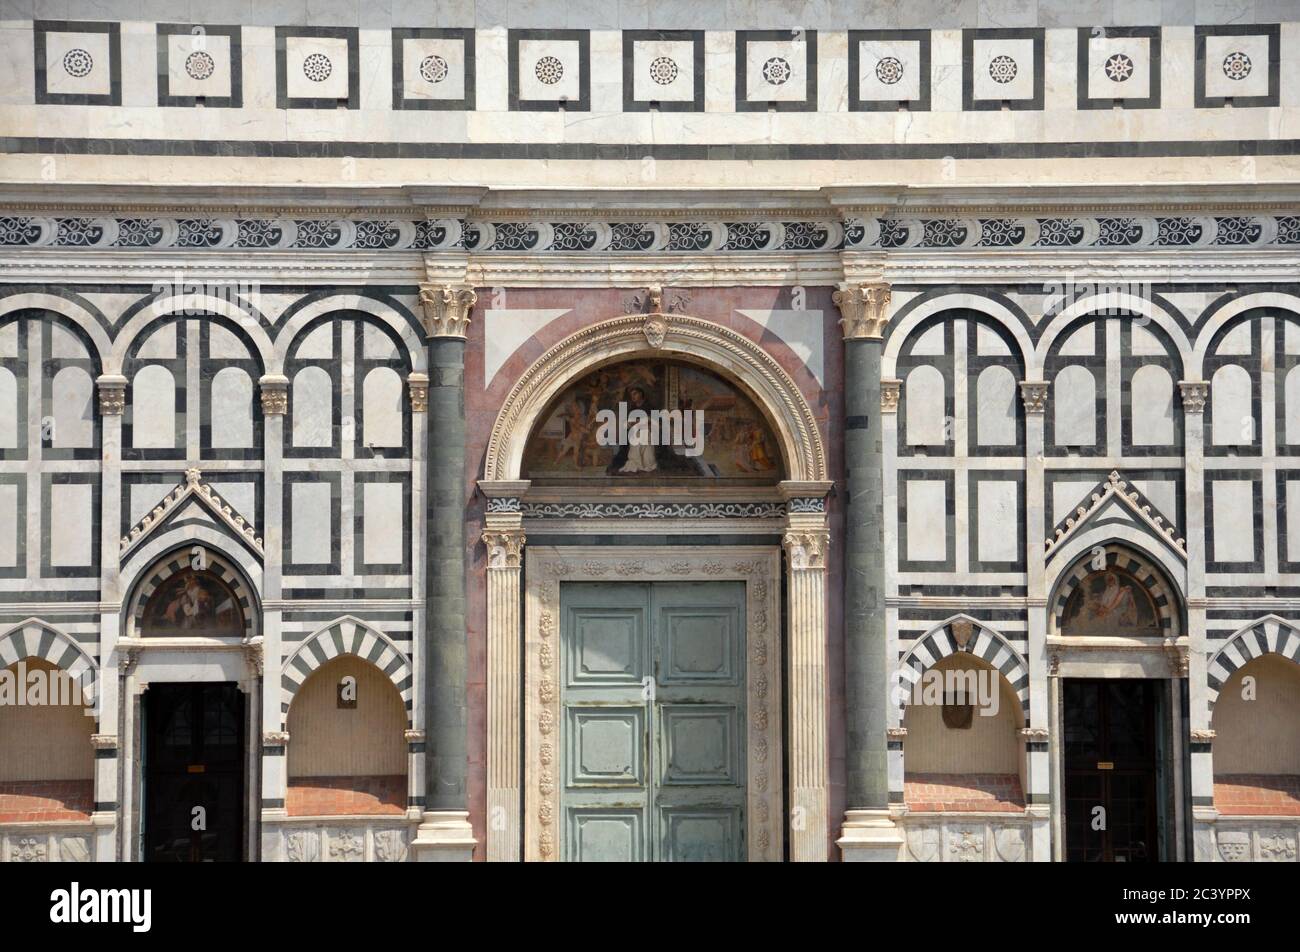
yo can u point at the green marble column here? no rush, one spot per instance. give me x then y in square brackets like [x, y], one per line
[868, 832]
[445, 833]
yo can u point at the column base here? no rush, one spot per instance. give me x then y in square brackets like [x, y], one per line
[870, 836]
[444, 836]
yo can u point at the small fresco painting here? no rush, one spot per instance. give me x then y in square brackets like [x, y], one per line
[1110, 602]
[193, 603]
[652, 422]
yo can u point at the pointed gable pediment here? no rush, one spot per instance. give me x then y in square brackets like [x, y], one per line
[196, 500]
[1115, 499]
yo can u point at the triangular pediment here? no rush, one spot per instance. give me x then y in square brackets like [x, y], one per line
[1116, 500]
[193, 500]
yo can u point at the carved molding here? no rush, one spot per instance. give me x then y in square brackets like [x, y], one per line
[542, 732]
[1034, 394]
[1120, 489]
[698, 340]
[864, 309]
[446, 309]
[192, 486]
[1194, 394]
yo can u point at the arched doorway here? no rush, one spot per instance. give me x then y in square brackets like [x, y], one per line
[1119, 658]
[658, 464]
[191, 691]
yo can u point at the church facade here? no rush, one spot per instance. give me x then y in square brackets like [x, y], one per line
[615, 432]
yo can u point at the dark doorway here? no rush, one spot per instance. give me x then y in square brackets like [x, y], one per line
[1110, 760]
[194, 773]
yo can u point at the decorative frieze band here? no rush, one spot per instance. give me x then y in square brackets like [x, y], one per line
[650, 510]
[684, 237]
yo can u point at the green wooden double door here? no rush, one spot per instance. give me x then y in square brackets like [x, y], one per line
[653, 696]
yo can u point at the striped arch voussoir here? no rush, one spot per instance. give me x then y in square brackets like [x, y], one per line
[1268, 635]
[178, 561]
[36, 639]
[347, 636]
[983, 642]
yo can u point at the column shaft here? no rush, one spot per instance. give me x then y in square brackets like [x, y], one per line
[445, 650]
[866, 667]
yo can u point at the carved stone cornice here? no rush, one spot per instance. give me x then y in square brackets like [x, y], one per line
[1194, 394]
[890, 389]
[865, 309]
[275, 394]
[1034, 394]
[112, 394]
[417, 386]
[505, 548]
[447, 308]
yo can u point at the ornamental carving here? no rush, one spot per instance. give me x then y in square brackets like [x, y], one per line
[446, 309]
[275, 395]
[806, 548]
[865, 309]
[889, 391]
[504, 547]
[417, 386]
[195, 487]
[1194, 393]
[1034, 394]
[112, 395]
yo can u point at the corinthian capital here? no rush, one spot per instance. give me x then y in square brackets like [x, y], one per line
[446, 309]
[504, 546]
[864, 309]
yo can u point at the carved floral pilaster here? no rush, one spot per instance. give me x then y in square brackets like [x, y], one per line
[447, 308]
[864, 309]
[1194, 393]
[1034, 394]
[112, 394]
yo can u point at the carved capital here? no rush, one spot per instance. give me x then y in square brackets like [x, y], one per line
[1202, 736]
[864, 309]
[505, 547]
[112, 395]
[413, 737]
[889, 391]
[896, 733]
[275, 739]
[1034, 393]
[103, 741]
[446, 309]
[128, 656]
[275, 395]
[254, 655]
[417, 386]
[806, 548]
[1033, 733]
[1195, 393]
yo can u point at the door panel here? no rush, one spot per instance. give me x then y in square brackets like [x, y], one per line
[654, 718]
[194, 757]
[1110, 762]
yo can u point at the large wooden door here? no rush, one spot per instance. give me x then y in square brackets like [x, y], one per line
[1110, 759]
[193, 773]
[653, 710]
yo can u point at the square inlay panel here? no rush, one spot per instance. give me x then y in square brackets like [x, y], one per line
[550, 70]
[1240, 63]
[889, 69]
[1119, 66]
[1002, 68]
[199, 63]
[433, 69]
[78, 64]
[776, 69]
[316, 67]
[664, 70]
